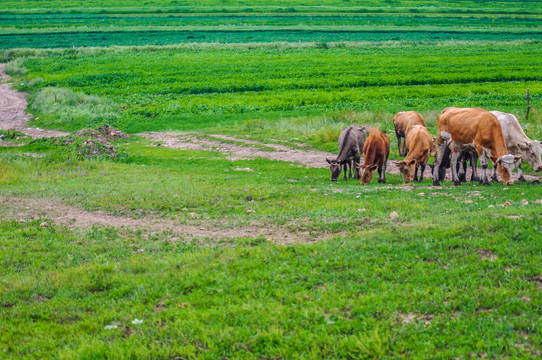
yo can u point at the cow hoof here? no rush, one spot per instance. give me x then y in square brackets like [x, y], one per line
[521, 178]
[485, 183]
[535, 182]
[436, 183]
[457, 183]
[382, 181]
[494, 179]
[475, 179]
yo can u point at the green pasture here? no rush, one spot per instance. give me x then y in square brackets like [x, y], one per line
[456, 274]
[252, 89]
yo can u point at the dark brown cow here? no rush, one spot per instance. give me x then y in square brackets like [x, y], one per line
[401, 121]
[376, 151]
[351, 143]
[458, 127]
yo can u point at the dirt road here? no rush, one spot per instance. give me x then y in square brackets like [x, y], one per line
[13, 116]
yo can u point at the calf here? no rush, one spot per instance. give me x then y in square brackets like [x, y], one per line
[464, 126]
[419, 142]
[401, 121]
[376, 151]
[467, 153]
[351, 143]
[518, 144]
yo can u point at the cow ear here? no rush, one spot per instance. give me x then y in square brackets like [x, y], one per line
[372, 167]
[499, 160]
[329, 161]
[524, 146]
[412, 162]
[516, 158]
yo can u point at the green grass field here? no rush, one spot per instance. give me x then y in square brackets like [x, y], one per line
[156, 254]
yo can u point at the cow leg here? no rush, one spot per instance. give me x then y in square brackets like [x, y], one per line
[349, 169]
[356, 172]
[437, 172]
[494, 176]
[462, 168]
[345, 167]
[484, 161]
[473, 161]
[436, 166]
[382, 171]
[453, 165]
[400, 144]
[520, 173]
[416, 172]
[422, 170]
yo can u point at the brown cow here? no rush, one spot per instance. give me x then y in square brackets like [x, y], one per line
[402, 121]
[420, 143]
[458, 127]
[376, 151]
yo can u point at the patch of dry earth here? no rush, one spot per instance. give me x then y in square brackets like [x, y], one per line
[22, 209]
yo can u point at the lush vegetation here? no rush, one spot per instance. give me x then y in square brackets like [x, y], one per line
[210, 88]
[455, 274]
[56, 24]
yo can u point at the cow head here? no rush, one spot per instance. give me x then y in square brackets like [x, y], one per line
[532, 151]
[335, 168]
[407, 169]
[505, 165]
[366, 173]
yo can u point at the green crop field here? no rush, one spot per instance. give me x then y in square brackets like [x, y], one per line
[199, 241]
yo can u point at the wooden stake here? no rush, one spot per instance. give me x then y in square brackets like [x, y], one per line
[528, 105]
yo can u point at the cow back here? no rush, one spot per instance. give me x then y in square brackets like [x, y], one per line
[404, 119]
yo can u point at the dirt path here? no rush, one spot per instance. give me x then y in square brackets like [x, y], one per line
[27, 209]
[13, 104]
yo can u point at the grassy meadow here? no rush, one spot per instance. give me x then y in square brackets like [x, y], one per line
[456, 274]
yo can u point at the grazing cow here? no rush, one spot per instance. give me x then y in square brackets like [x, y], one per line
[402, 120]
[351, 143]
[464, 126]
[467, 153]
[419, 142]
[518, 144]
[376, 151]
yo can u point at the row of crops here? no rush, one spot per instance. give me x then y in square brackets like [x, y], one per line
[172, 87]
[150, 37]
[286, 5]
[62, 24]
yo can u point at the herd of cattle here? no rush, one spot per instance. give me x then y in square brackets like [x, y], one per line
[464, 135]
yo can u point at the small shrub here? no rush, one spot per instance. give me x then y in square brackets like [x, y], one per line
[16, 68]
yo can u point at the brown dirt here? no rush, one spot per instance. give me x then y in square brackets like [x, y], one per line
[187, 141]
[25, 209]
[13, 104]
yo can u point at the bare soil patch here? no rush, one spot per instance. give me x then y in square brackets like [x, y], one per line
[27, 209]
[187, 141]
[13, 116]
